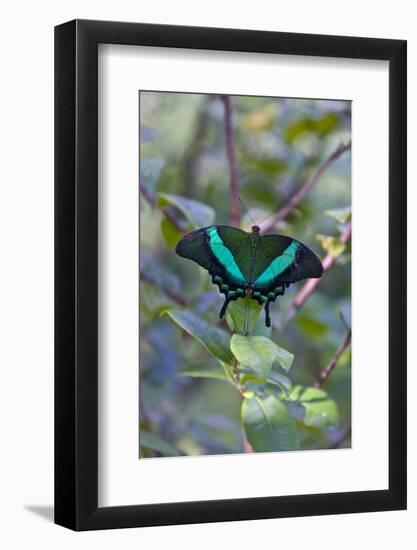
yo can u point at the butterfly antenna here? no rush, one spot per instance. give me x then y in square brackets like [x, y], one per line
[268, 216]
[246, 210]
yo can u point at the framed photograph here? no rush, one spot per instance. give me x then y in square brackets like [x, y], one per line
[230, 275]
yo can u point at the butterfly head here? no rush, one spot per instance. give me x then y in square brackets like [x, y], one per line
[255, 228]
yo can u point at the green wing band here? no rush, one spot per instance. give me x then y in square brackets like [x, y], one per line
[277, 266]
[224, 256]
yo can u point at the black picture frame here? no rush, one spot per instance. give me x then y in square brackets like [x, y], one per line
[76, 272]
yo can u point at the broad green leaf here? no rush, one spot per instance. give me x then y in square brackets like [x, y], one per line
[251, 378]
[280, 380]
[284, 358]
[242, 314]
[150, 170]
[204, 370]
[170, 232]
[276, 383]
[268, 425]
[197, 213]
[342, 215]
[332, 245]
[259, 353]
[236, 315]
[313, 407]
[155, 443]
[215, 340]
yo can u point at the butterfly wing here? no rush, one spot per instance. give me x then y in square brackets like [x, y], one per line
[284, 260]
[225, 252]
[280, 261]
[236, 261]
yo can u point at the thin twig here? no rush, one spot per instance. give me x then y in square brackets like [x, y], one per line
[325, 372]
[150, 199]
[170, 293]
[268, 224]
[311, 284]
[231, 158]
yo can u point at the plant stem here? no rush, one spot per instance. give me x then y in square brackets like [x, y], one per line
[231, 158]
[150, 199]
[324, 373]
[312, 284]
[267, 225]
[170, 293]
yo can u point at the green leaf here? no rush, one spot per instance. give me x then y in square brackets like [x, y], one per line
[259, 353]
[170, 232]
[215, 340]
[313, 407]
[280, 380]
[197, 213]
[284, 358]
[155, 443]
[240, 310]
[150, 170]
[204, 370]
[276, 383]
[331, 245]
[268, 425]
[342, 215]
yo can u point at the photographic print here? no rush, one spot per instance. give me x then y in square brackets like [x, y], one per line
[245, 274]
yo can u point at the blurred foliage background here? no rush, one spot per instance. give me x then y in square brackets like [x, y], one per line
[185, 184]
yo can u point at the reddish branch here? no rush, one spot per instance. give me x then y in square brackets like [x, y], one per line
[324, 373]
[312, 284]
[301, 193]
[231, 159]
[170, 293]
[150, 199]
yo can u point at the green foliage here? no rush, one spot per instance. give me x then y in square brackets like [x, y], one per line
[268, 425]
[258, 353]
[215, 340]
[170, 233]
[243, 312]
[331, 245]
[204, 381]
[342, 215]
[196, 213]
[313, 407]
[204, 370]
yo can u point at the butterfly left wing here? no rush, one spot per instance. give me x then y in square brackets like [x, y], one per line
[280, 261]
[221, 250]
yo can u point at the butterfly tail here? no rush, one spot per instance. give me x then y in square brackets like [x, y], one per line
[223, 309]
[267, 317]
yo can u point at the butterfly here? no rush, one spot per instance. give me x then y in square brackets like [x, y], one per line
[249, 264]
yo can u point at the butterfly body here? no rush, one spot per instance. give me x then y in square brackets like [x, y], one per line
[249, 264]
